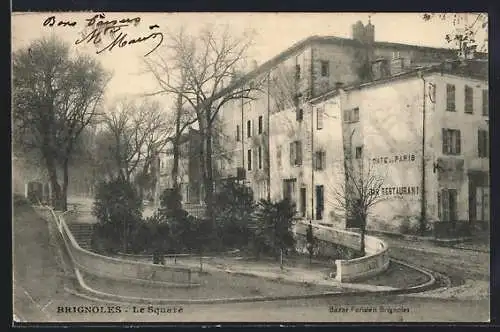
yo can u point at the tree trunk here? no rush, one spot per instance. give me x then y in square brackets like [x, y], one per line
[64, 196]
[362, 244]
[209, 183]
[56, 188]
[175, 166]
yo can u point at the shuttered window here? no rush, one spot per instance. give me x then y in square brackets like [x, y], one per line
[296, 153]
[319, 117]
[249, 128]
[450, 97]
[451, 141]
[320, 160]
[482, 144]
[485, 103]
[469, 97]
[249, 159]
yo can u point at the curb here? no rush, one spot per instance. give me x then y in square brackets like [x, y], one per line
[93, 294]
[114, 298]
[428, 239]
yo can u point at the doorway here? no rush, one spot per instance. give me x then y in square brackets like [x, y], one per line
[320, 202]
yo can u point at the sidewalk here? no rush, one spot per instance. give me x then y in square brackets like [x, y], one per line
[315, 274]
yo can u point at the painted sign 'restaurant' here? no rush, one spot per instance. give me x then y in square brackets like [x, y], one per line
[406, 190]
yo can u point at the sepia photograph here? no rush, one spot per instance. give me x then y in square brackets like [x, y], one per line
[176, 167]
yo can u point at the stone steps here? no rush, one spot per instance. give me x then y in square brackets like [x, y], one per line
[82, 233]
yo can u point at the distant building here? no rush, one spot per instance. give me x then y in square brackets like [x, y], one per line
[190, 177]
[443, 176]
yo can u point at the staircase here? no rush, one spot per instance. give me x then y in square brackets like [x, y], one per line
[82, 232]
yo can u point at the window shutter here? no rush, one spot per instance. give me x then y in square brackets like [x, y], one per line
[323, 160]
[299, 153]
[292, 153]
[445, 141]
[446, 205]
[458, 146]
[480, 144]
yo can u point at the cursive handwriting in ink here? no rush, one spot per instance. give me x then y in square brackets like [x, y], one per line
[98, 21]
[121, 40]
[51, 21]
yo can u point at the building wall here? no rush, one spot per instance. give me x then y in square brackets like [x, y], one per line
[447, 176]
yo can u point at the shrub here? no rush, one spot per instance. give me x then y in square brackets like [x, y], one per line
[274, 223]
[118, 209]
[234, 208]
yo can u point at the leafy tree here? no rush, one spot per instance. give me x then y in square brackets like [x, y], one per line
[118, 208]
[273, 222]
[55, 96]
[234, 207]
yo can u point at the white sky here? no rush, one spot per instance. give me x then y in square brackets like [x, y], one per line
[274, 33]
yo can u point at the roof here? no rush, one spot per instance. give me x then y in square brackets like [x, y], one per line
[475, 69]
[273, 62]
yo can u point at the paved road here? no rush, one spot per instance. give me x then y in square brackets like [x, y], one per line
[39, 296]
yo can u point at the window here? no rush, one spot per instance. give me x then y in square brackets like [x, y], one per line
[278, 156]
[451, 141]
[249, 128]
[260, 124]
[482, 143]
[289, 189]
[260, 157]
[297, 72]
[447, 205]
[237, 133]
[485, 103]
[319, 117]
[359, 152]
[299, 115]
[450, 97]
[320, 160]
[351, 115]
[469, 97]
[295, 153]
[325, 68]
[249, 159]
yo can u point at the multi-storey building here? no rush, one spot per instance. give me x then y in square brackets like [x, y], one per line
[190, 170]
[424, 132]
[303, 72]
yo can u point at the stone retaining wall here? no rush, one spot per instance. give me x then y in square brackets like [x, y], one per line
[115, 268]
[374, 262]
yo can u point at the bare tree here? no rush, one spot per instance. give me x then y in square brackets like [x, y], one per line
[197, 70]
[360, 191]
[136, 132]
[469, 30]
[54, 98]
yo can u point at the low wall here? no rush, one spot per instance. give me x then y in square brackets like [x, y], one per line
[115, 268]
[374, 262]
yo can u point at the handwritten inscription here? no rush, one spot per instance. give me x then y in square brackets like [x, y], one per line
[51, 21]
[102, 27]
